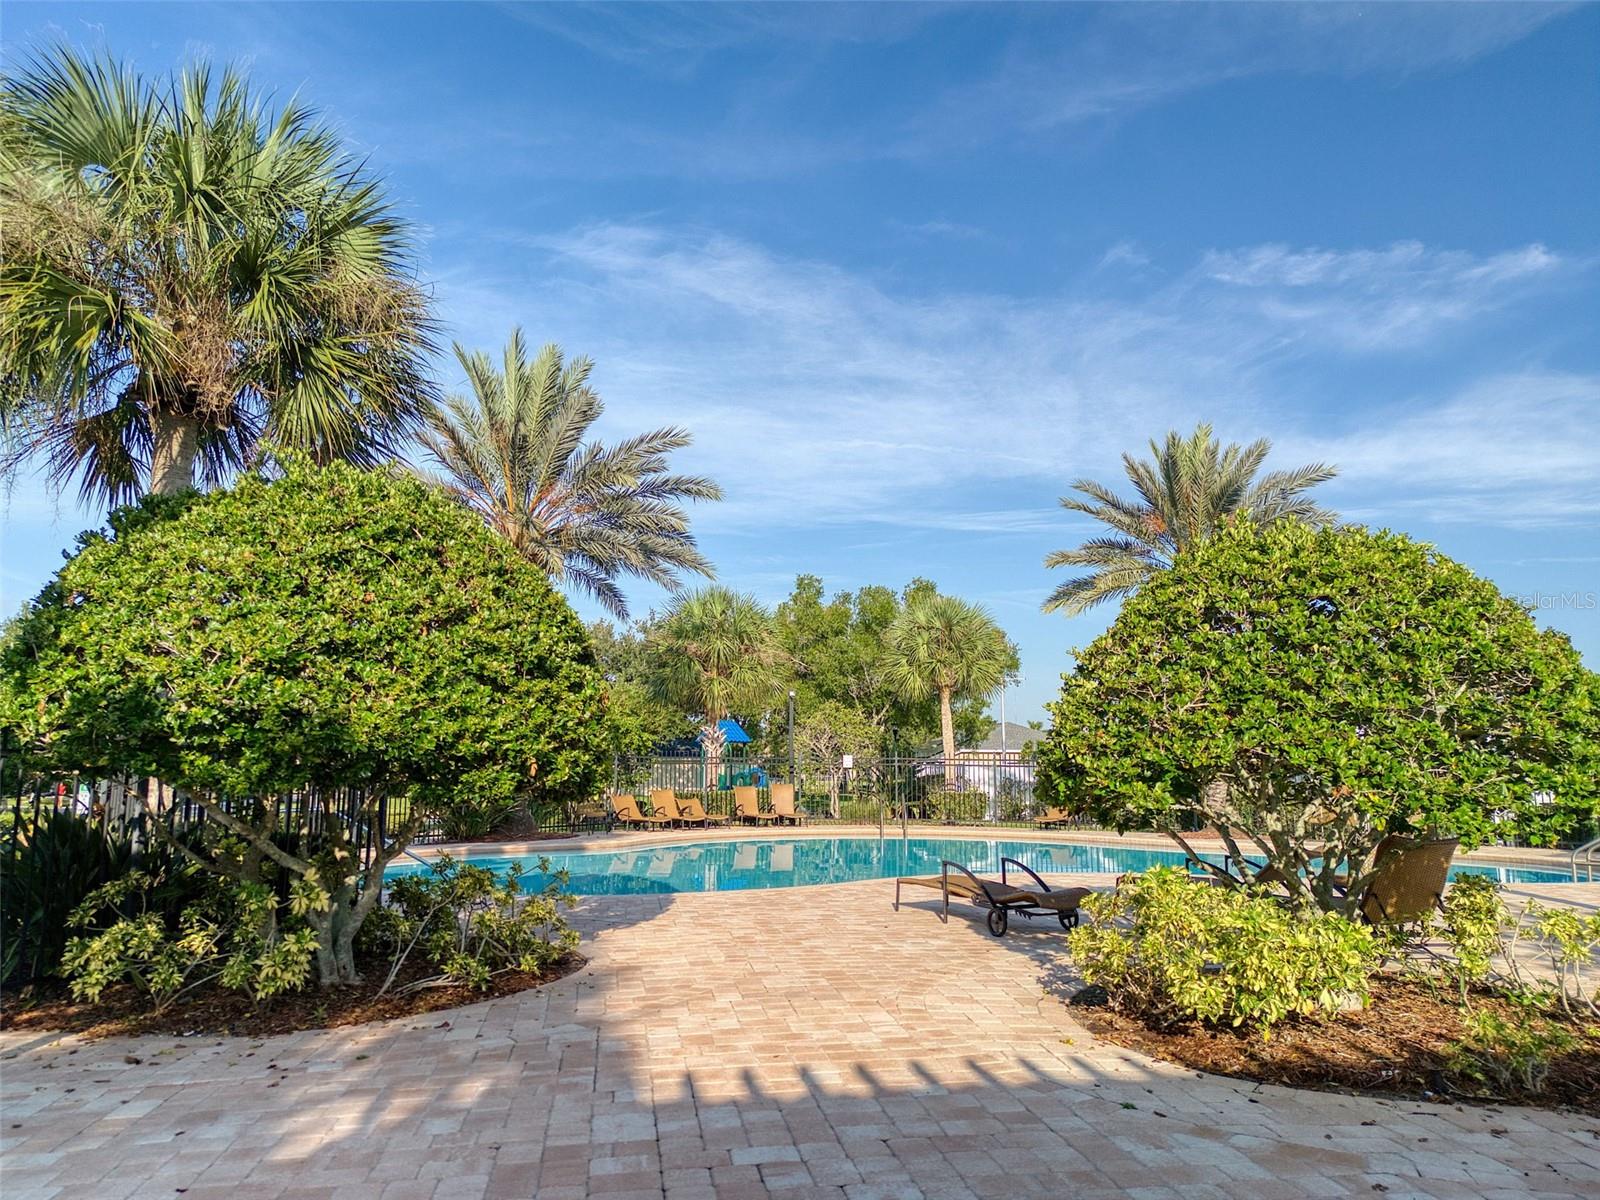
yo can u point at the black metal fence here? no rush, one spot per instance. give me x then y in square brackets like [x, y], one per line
[973, 788]
[125, 807]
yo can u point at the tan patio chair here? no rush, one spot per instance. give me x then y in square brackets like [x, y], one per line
[664, 803]
[694, 812]
[783, 810]
[747, 806]
[627, 810]
[1409, 881]
[1053, 816]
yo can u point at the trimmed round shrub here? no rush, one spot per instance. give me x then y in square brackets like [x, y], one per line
[332, 627]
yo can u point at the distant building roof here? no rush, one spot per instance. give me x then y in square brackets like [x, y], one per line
[1009, 737]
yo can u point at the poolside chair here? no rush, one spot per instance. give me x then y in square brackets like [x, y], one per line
[783, 810]
[1053, 816]
[1001, 897]
[747, 806]
[664, 802]
[692, 811]
[627, 812]
[1408, 884]
[592, 814]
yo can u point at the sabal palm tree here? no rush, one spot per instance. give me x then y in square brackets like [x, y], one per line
[946, 647]
[514, 452]
[1191, 487]
[715, 653]
[183, 272]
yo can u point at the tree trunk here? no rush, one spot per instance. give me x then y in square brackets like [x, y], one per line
[947, 727]
[712, 741]
[175, 445]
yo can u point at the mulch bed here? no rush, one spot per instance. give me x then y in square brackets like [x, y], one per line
[1399, 1047]
[213, 1010]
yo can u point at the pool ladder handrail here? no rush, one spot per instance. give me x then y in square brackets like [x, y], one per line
[1585, 855]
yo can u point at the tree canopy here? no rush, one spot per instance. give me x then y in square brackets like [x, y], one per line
[838, 653]
[1305, 691]
[942, 647]
[1188, 489]
[713, 654]
[184, 271]
[514, 452]
[331, 628]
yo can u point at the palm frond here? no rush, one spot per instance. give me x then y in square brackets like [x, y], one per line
[514, 451]
[1187, 489]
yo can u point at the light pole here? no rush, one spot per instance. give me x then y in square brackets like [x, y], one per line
[791, 736]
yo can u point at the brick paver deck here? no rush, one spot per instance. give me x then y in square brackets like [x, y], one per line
[797, 1043]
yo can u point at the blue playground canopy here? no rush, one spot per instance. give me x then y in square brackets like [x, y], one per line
[732, 732]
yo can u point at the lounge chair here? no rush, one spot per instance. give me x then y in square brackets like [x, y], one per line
[592, 814]
[1001, 897]
[627, 812]
[1053, 816]
[783, 810]
[1408, 884]
[692, 811]
[747, 806]
[664, 803]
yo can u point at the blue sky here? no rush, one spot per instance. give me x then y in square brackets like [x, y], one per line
[906, 272]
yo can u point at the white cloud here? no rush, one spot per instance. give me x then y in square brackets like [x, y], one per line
[1125, 253]
[1117, 59]
[1369, 299]
[1514, 450]
[818, 395]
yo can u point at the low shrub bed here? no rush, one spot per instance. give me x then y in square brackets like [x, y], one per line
[166, 947]
[1405, 1043]
[1239, 982]
[214, 1010]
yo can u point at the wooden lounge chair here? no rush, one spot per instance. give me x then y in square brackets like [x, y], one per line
[1001, 897]
[783, 810]
[627, 811]
[1053, 816]
[664, 803]
[1408, 884]
[694, 812]
[747, 806]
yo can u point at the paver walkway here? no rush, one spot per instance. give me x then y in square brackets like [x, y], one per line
[797, 1043]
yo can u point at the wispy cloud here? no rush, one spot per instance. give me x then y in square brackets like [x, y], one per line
[1125, 253]
[1374, 299]
[821, 395]
[1117, 59]
[1513, 450]
[677, 39]
[1060, 69]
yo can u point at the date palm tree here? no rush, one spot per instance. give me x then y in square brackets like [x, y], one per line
[946, 647]
[514, 452]
[184, 272]
[714, 653]
[1191, 487]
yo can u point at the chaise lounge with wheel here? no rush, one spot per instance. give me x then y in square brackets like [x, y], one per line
[1001, 897]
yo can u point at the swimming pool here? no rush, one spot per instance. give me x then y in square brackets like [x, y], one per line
[726, 865]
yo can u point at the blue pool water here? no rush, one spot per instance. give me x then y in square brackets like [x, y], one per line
[723, 866]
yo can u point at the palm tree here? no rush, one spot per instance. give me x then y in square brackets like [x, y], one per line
[514, 452]
[944, 646]
[183, 273]
[715, 653]
[1194, 486]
